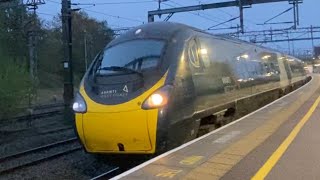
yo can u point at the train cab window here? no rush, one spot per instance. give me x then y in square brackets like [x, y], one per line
[129, 69]
[140, 55]
[150, 63]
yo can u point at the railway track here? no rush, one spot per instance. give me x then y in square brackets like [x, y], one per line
[46, 106]
[107, 175]
[57, 130]
[119, 164]
[34, 156]
[37, 112]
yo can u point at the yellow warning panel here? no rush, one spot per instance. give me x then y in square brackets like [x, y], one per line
[191, 160]
[169, 173]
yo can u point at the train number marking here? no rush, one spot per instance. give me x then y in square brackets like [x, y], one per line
[227, 137]
[169, 173]
[125, 88]
[190, 160]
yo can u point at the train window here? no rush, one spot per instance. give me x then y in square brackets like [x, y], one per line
[270, 64]
[222, 56]
[138, 55]
[244, 64]
[217, 73]
[203, 55]
[296, 67]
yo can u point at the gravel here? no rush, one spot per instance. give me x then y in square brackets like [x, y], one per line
[21, 136]
[30, 157]
[77, 165]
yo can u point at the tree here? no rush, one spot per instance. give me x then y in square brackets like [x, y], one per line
[95, 33]
[15, 26]
[14, 79]
[13, 35]
[15, 88]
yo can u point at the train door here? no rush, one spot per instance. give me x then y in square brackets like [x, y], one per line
[284, 74]
[184, 91]
[197, 67]
[287, 68]
[183, 127]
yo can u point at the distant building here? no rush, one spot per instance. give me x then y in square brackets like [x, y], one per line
[316, 51]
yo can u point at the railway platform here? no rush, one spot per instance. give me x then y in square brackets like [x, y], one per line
[278, 141]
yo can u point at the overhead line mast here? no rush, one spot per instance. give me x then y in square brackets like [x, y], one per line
[33, 38]
[67, 63]
[237, 3]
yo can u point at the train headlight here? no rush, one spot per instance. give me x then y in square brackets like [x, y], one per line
[79, 105]
[158, 99]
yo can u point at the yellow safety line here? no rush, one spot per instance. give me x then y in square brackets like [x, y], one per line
[274, 158]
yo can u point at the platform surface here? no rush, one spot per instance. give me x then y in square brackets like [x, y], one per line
[278, 141]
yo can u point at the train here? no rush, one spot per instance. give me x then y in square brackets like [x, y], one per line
[152, 88]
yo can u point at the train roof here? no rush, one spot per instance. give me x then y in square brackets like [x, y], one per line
[157, 30]
[166, 30]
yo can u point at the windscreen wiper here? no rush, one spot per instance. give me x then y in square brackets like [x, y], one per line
[123, 69]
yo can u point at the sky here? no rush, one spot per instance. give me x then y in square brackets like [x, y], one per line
[129, 13]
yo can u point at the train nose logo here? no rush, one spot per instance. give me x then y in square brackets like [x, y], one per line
[125, 88]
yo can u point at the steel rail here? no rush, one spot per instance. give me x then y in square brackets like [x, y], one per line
[38, 160]
[106, 174]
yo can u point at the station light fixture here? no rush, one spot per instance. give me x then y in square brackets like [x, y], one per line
[245, 56]
[203, 51]
[266, 57]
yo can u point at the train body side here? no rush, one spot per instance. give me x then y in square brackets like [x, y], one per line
[214, 73]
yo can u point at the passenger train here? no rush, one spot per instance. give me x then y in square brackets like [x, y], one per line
[152, 88]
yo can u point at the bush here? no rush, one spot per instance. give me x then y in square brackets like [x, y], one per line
[15, 86]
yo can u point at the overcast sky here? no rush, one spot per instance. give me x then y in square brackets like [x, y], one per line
[133, 14]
